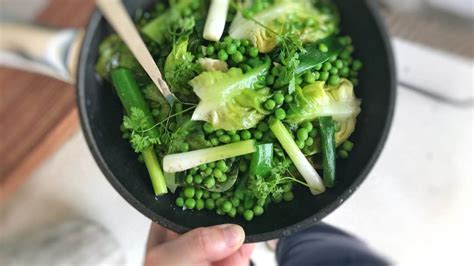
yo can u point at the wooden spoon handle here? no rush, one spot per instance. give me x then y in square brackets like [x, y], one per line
[118, 17]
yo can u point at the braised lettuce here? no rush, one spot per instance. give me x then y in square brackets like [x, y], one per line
[299, 18]
[231, 100]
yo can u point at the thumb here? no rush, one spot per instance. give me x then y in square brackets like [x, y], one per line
[207, 244]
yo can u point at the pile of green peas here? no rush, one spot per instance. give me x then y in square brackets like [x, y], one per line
[237, 53]
[221, 137]
[339, 66]
[232, 203]
[208, 175]
[344, 149]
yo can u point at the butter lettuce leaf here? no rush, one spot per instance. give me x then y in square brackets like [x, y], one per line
[231, 100]
[299, 18]
[316, 100]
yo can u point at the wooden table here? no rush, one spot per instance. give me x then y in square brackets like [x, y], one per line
[37, 114]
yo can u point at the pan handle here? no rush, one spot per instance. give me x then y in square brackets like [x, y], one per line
[44, 50]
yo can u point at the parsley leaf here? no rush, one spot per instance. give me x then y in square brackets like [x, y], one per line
[140, 137]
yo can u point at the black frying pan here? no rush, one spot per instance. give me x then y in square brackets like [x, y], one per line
[101, 116]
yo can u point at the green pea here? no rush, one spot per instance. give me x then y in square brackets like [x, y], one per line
[198, 179]
[210, 50]
[288, 196]
[240, 194]
[231, 49]
[300, 143]
[279, 98]
[242, 49]
[248, 215]
[245, 42]
[217, 173]
[222, 55]
[215, 195]
[347, 145]
[357, 65]
[302, 134]
[214, 141]
[339, 64]
[226, 206]
[277, 198]
[258, 210]
[334, 80]
[208, 128]
[258, 134]
[240, 209]
[206, 194]
[333, 58]
[252, 52]
[309, 77]
[231, 132]
[309, 142]
[210, 204]
[183, 147]
[220, 212]
[333, 71]
[345, 55]
[308, 126]
[235, 138]
[179, 202]
[209, 182]
[187, 12]
[280, 114]
[189, 192]
[269, 104]
[245, 134]
[318, 67]
[190, 203]
[288, 98]
[327, 66]
[323, 48]
[212, 164]
[235, 201]
[228, 39]
[208, 171]
[261, 202]
[299, 80]
[287, 187]
[233, 212]
[262, 127]
[237, 57]
[344, 71]
[343, 154]
[324, 76]
[189, 179]
[221, 165]
[200, 204]
[203, 167]
[225, 139]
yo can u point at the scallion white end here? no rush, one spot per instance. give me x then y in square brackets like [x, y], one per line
[305, 168]
[183, 161]
[216, 19]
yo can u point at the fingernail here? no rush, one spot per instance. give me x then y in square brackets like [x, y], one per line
[234, 235]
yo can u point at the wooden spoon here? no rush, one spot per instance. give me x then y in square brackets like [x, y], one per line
[117, 15]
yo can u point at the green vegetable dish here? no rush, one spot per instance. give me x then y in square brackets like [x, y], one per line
[264, 101]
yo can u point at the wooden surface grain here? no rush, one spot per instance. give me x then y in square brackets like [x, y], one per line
[37, 114]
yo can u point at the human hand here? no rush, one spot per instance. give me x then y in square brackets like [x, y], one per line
[220, 245]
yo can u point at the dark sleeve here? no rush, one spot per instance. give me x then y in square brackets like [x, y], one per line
[325, 245]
